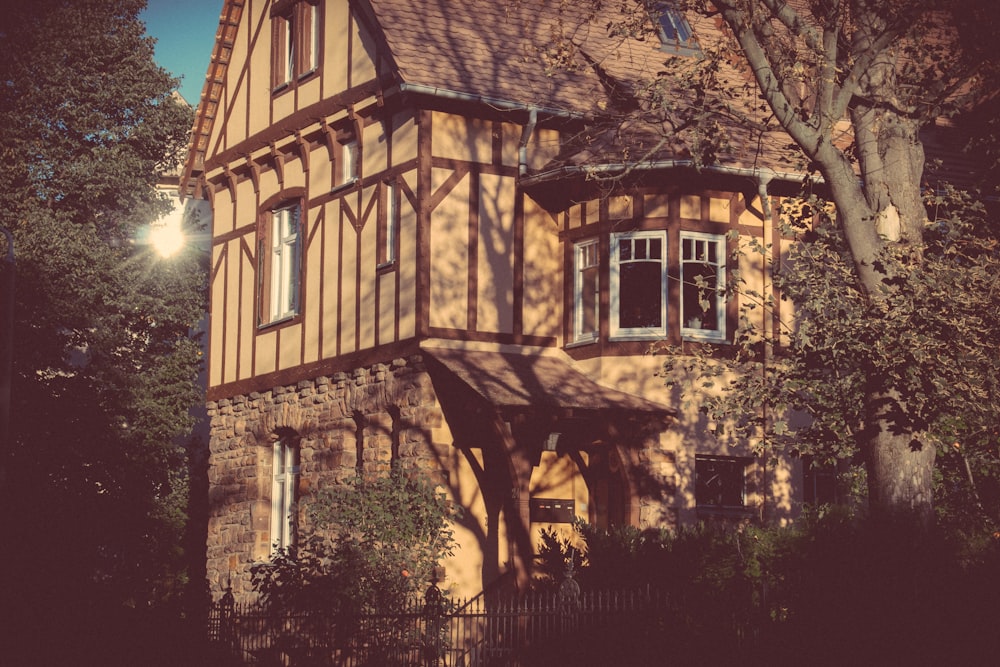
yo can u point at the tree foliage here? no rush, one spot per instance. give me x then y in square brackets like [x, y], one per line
[369, 544]
[803, 390]
[105, 369]
[895, 296]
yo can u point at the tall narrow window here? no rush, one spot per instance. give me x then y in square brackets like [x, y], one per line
[285, 470]
[389, 231]
[279, 257]
[703, 280]
[638, 285]
[586, 291]
[290, 49]
[315, 36]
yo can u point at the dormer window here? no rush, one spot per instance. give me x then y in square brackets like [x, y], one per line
[674, 31]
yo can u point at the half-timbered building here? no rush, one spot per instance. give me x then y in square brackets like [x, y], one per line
[424, 255]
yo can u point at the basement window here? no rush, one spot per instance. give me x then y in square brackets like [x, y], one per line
[721, 482]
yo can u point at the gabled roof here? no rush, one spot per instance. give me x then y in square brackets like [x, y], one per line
[211, 92]
[548, 55]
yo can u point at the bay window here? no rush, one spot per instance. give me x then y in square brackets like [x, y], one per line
[638, 290]
[586, 291]
[703, 280]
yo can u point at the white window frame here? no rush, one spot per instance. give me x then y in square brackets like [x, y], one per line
[284, 473]
[311, 10]
[348, 162]
[284, 267]
[701, 240]
[617, 332]
[391, 223]
[586, 255]
[291, 25]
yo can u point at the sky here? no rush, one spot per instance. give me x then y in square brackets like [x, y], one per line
[185, 33]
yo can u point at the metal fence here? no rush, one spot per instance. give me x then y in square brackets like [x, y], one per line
[543, 628]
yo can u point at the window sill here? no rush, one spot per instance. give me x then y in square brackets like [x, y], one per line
[386, 267]
[682, 50]
[699, 337]
[627, 337]
[346, 185]
[580, 343]
[287, 319]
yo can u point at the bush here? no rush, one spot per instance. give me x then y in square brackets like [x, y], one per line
[832, 589]
[369, 544]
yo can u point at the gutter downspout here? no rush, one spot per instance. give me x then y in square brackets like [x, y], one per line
[764, 177]
[522, 147]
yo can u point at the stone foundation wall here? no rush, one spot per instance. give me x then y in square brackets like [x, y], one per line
[391, 406]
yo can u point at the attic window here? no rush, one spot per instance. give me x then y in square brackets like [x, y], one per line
[674, 30]
[296, 40]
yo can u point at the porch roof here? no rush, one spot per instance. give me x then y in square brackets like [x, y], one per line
[520, 381]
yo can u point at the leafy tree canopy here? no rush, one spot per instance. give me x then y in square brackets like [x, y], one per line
[105, 370]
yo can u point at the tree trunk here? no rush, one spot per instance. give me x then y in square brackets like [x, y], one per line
[900, 466]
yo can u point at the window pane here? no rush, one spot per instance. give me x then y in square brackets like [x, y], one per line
[586, 295]
[720, 482]
[640, 295]
[702, 285]
[313, 14]
[290, 50]
[392, 224]
[625, 250]
[700, 297]
[588, 301]
[284, 263]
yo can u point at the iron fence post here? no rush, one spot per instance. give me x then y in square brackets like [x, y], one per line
[433, 614]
